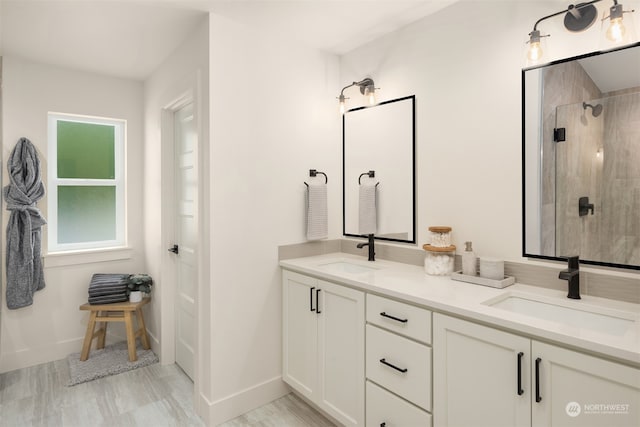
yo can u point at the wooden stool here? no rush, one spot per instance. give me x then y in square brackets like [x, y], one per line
[116, 312]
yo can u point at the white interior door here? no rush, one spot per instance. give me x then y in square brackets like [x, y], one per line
[186, 185]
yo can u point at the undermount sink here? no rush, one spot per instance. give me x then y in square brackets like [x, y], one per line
[344, 266]
[572, 313]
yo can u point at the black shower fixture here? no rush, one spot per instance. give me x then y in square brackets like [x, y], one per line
[596, 110]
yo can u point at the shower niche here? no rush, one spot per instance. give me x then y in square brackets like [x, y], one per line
[581, 151]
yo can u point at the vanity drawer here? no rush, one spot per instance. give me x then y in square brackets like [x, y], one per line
[409, 320]
[399, 365]
[388, 409]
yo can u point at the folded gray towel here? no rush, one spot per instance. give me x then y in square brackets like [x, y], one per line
[108, 279]
[108, 299]
[107, 286]
[111, 291]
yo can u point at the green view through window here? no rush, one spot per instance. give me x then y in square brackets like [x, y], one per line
[86, 183]
[85, 150]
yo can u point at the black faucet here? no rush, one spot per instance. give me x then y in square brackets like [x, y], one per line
[572, 276]
[372, 250]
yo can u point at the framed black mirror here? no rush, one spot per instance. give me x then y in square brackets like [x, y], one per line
[381, 139]
[581, 158]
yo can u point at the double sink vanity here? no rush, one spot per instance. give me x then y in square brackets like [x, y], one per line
[383, 344]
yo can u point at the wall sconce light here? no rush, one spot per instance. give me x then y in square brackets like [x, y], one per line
[367, 88]
[616, 30]
[578, 18]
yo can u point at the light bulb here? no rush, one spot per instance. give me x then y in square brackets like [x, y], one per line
[341, 98]
[372, 98]
[616, 30]
[535, 51]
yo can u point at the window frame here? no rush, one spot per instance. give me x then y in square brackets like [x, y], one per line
[119, 182]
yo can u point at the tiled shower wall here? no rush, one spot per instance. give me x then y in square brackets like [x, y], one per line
[563, 84]
[579, 174]
[620, 225]
[598, 160]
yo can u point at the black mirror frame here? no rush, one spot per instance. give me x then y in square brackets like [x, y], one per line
[524, 206]
[413, 165]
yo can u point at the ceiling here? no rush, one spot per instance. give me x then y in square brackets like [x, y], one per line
[131, 38]
[615, 70]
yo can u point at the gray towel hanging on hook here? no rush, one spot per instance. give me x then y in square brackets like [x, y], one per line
[24, 230]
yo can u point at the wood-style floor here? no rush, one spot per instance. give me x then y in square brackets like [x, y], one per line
[155, 396]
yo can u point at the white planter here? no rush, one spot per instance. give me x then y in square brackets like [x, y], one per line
[135, 296]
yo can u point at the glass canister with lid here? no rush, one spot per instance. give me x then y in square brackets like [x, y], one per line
[440, 236]
[439, 261]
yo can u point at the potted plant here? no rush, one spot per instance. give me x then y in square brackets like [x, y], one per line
[139, 283]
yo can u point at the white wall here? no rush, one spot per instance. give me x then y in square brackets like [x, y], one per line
[464, 66]
[53, 327]
[274, 116]
[186, 70]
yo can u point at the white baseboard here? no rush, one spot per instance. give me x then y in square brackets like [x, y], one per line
[44, 354]
[37, 355]
[227, 408]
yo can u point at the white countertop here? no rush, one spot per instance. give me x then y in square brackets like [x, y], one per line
[440, 293]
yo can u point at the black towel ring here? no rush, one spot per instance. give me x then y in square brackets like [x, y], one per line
[371, 174]
[313, 173]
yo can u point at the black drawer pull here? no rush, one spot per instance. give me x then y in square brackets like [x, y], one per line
[383, 424]
[311, 299]
[538, 397]
[388, 316]
[318, 301]
[520, 390]
[384, 362]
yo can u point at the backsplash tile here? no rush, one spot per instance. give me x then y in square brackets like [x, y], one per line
[305, 249]
[619, 288]
[406, 255]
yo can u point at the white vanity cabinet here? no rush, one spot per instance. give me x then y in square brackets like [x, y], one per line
[323, 345]
[398, 363]
[486, 377]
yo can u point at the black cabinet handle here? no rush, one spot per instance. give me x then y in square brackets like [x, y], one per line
[384, 362]
[383, 424]
[388, 316]
[174, 249]
[520, 390]
[311, 299]
[318, 301]
[538, 397]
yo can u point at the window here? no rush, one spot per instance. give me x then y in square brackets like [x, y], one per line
[86, 183]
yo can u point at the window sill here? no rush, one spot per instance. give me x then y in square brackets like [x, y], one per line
[61, 259]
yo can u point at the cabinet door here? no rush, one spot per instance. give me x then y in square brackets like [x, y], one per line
[299, 333]
[341, 352]
[580, 390]
[475, 375]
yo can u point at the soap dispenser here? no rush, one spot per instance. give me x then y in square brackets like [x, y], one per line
[469, 262]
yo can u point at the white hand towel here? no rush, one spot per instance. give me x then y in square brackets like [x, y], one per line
[317, 223]
[367, 210]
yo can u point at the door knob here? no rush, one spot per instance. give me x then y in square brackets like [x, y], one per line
[174, 249]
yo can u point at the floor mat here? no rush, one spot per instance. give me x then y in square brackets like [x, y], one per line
[112, 360]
